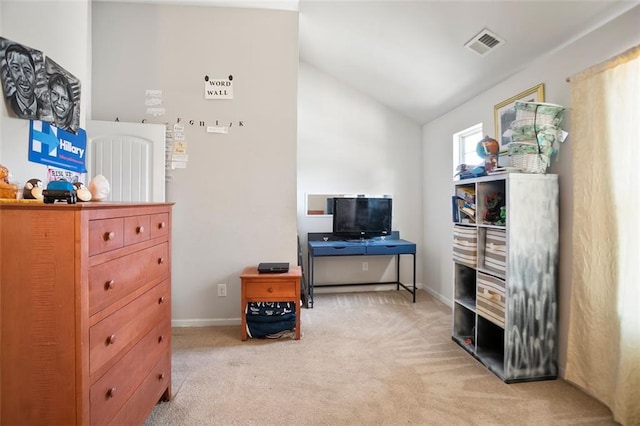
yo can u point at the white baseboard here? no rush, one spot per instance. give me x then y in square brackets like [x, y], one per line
[446, 300]
[213, 322]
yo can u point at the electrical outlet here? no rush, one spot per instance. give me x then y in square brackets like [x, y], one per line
[365, 266]
[222, 290]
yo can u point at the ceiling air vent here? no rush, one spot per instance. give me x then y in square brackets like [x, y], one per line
[484, 42]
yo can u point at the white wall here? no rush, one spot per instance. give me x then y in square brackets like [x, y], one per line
[351, 144]
[597, 46]
[61, 31]
[235, 203]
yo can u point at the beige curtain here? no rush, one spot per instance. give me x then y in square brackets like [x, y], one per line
[603, 354]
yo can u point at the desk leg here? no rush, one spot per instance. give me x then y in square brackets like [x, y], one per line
[414, 278]
[398, 272]
[310, 263]
[298, 313]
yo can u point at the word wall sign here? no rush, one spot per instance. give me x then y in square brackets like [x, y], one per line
[218, 88]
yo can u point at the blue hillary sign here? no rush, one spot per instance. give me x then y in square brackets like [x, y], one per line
[56, 147]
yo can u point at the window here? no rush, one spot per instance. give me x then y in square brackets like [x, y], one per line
[464, 147]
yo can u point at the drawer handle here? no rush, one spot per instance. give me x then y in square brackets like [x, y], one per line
[111, 393]
[111, 339]
[160, 260]
[161, 376]
[160, 338]
[161, 300]
[109, 235]
[161, 225]
[270, 289]
[109, 285]
[140, 229]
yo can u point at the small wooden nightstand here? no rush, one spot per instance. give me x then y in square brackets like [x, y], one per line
[256, 287]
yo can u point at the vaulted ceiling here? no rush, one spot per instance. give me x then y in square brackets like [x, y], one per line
[411, 55]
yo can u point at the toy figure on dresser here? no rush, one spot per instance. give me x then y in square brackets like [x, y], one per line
[33, 190]
[7, 190]
[494, 201]
[466, 171]
[60, 190]
[82, 191]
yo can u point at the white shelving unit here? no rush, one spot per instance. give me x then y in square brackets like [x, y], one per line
[505, 275]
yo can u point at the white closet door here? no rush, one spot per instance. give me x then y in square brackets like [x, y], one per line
[131, 156]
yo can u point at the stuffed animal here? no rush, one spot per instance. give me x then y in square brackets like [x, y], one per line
[82, 192]
[4, 174]
[7, 190]
[494, 201]
[33, 190]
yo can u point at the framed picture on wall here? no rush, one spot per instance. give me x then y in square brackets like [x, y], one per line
[504, 113]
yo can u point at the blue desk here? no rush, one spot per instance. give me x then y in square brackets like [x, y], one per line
[326, 244]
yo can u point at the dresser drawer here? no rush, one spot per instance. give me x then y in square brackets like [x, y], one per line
[105, 235]
[136, 229]
[265, 290]
[111, 281]
[111, 392]
[138, 408]
[159, 224]
[123, 328]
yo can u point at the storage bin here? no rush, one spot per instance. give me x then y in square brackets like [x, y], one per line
[495, 250]
[490, 298]
[465, 245]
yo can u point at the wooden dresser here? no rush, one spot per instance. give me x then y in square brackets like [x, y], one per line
[85, 295]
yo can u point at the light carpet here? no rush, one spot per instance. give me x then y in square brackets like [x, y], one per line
[371, 358]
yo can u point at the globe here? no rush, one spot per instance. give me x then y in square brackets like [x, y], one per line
[487, 146]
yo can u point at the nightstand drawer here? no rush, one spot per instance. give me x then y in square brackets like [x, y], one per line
[271, 289]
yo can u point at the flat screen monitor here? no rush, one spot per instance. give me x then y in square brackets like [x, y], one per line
[362, 217]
